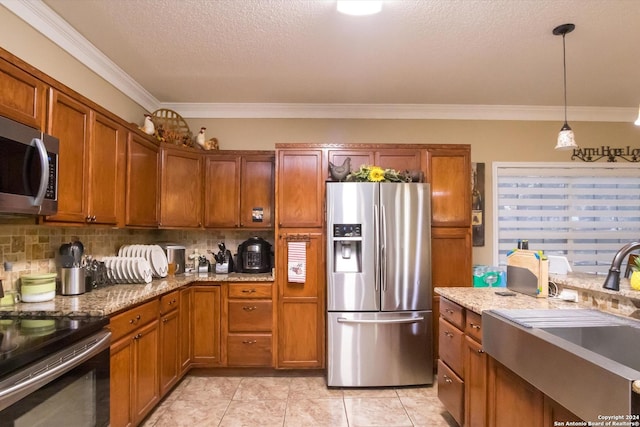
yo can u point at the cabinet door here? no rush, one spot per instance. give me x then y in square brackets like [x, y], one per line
[301, 309]
[512, 401]
[205, 328]
[169, 350]
[398, 159]
[475, 380]
[256, 192]
[69, 121]
[121, 382]
[451, 256]
[181, 189]
[142, 181]
[22, 97]
[185, 330]
[222, 191]
[300, 188]
[146, 383]
[449, 173]
[106, 171]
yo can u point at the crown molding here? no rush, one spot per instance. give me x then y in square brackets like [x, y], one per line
[51, 25]
[43, 19]
[401, 111]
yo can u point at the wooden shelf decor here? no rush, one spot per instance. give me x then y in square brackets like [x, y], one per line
[171, 128]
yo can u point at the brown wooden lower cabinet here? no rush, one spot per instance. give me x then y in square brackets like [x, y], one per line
[512, 401]
[135, 377]
[185, 323]
[475, 382]
[169, 341]
[205, 326]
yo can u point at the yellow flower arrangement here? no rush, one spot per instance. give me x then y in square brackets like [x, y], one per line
[370, 173]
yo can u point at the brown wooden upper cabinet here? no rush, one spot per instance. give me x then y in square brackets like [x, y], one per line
[389, 158]
[449, 173]
[300, 188]
[23, 97]
[91, 163]
[181, 188]
[142, 181]
[239, 190]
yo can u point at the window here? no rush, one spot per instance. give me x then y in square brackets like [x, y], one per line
[583, 211]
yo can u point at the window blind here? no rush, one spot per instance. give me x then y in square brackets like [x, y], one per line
[583, 211]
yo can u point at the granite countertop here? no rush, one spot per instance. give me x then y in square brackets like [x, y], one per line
[113, 298]
[480, 299]
[591, 294]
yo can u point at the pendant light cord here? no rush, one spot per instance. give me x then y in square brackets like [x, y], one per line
[564, 66]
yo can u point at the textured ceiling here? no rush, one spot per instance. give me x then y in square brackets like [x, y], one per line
[489, 52]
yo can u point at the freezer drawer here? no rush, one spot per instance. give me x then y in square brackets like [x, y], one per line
[379, 349]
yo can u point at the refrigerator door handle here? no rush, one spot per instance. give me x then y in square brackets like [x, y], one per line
[376, 242]
[411, 320]
[383, 251]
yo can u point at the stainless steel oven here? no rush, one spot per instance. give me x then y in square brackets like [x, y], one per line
[28, 170]
[54, 372]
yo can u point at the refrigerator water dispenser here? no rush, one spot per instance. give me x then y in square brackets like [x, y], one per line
[347, 248]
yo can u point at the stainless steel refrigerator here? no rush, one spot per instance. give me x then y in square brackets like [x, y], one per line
[379, 316]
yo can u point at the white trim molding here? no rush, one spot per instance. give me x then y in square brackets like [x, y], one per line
[42, 18]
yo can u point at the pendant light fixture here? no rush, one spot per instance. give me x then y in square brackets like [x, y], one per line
[566, 139]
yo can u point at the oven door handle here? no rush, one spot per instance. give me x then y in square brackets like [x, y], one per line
[26, 382]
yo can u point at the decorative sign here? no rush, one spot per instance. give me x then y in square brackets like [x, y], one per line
[594, 154]
[257, 214]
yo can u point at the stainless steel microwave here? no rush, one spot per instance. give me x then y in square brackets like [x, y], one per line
[28, 170]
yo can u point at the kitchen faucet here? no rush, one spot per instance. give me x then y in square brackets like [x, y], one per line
[612, 282]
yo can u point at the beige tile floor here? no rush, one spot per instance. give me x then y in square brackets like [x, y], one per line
[205, 400]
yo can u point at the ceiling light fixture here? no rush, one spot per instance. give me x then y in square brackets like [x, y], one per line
[566, 138]
[359, 7]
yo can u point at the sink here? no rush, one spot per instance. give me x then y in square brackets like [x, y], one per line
[586, 360]
[618, 343]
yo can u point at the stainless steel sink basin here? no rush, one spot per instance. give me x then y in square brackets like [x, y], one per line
[618, 343]
[585, 360]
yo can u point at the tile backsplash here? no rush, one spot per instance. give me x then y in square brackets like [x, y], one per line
[26, 249]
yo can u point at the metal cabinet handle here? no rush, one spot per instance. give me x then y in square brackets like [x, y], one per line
[249, 342]
[248, 291]
[135, 320]
[165, 320]
[474, 326]
[448, 310]
[447, 379]
[448, 334]
[249, 307]
[137, 336]
[480, 351]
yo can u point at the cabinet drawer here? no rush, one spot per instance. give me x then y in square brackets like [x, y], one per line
[452, 312]
[250, 316]
[127, 322]
[473, 326]
[169, 302]
[450, 344]
[249, 350]
[250, 290]
[451, 391]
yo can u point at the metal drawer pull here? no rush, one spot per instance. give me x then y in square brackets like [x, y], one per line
[248, 291]
[448, 334]
[135, 320]
[137, 336]
[249, 342]
[481, 351]
[474, 326]
[447, 379]
[249, 307]
[448, 310]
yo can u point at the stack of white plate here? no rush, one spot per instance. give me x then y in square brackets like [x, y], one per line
[128, 269]
[152, 253]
